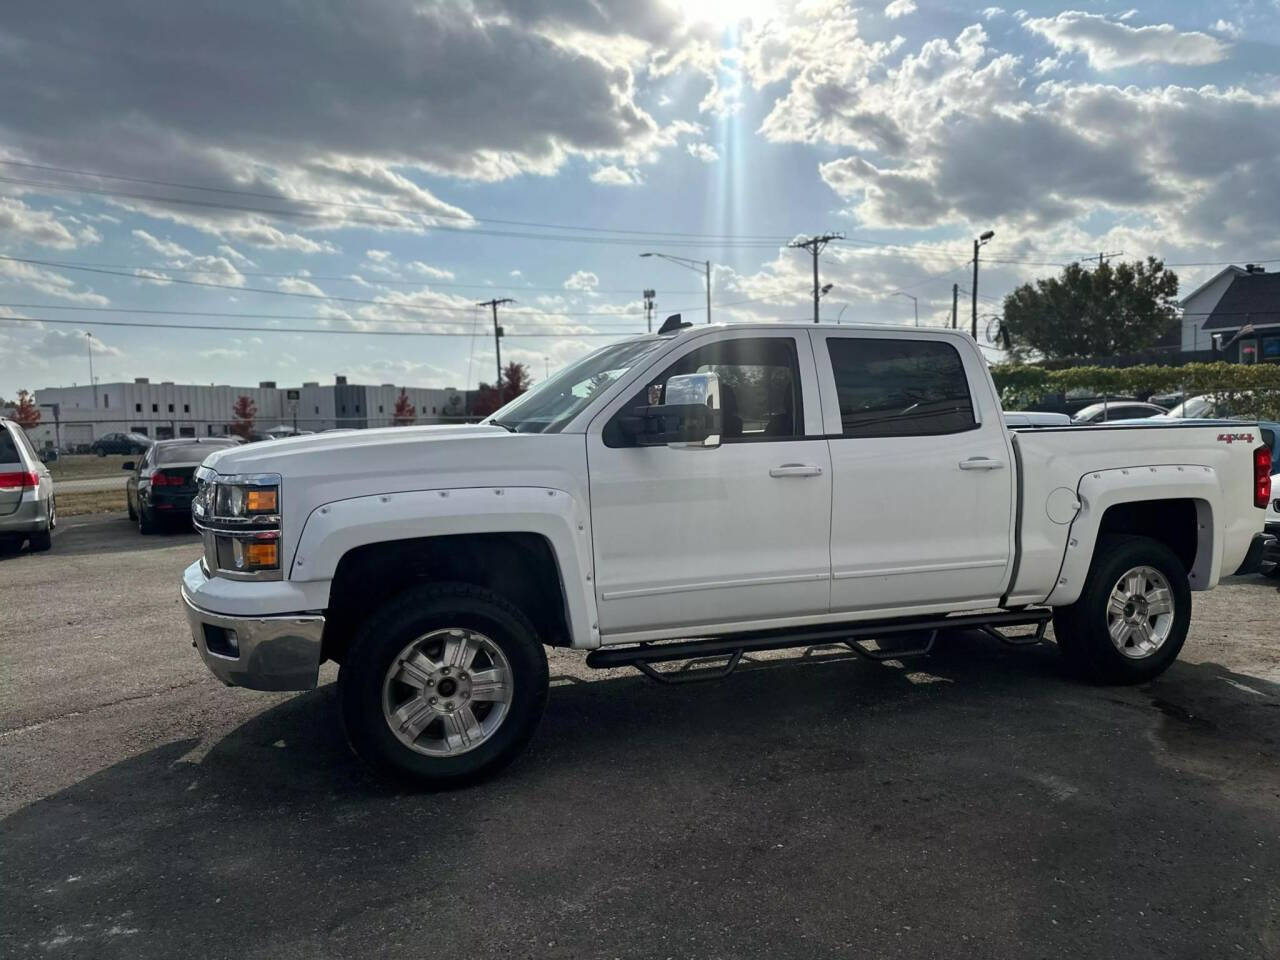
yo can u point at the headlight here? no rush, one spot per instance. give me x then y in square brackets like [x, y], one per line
[239, 517]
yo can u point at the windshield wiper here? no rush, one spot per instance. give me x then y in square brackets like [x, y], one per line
[509, 427]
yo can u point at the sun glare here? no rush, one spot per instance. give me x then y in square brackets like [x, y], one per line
[724, 13]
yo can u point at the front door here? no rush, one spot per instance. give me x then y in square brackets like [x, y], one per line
[730, 535]
[922, 499]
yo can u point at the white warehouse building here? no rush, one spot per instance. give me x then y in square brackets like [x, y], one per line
[73, 417]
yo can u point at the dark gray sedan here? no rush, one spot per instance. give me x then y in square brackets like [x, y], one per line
[162, 482]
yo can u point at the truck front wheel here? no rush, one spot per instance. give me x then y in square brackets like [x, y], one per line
[1132, 616]
[443, 685]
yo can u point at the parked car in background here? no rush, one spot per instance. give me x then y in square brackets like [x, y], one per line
[120, 443]
[161, 483]
[1110, 410]
[27, 510]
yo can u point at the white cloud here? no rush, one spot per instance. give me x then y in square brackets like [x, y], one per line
[427, 270]
[48, 282]
[613, 176]
[1109, 44]
[232, 253]
[1228, 28]
[42, 227]
[298, 285]
[899, 8]
[516, 273]
[990, 13]
[223, 353]
[702, 151]
[166, 248]
[582, 280]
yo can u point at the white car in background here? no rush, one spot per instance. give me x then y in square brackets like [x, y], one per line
[27, 510]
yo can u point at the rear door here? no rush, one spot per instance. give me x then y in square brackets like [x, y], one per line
[922, 497]
[734, 534]
[12, 470]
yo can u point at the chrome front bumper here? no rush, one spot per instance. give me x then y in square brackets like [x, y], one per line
[261, 653]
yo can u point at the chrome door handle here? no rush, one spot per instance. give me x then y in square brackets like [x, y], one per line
[981, 463]
[796, 470]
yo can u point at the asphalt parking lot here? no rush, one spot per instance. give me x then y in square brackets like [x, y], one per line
[974, 803]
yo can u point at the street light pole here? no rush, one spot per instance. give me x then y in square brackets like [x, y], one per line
[977, 244]
[701, 266]
[88, 339]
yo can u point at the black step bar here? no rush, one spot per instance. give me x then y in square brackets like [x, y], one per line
[642, 655]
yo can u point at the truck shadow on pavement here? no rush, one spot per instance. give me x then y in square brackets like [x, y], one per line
[972, 803]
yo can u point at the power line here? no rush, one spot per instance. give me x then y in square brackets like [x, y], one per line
[208, 284]
[815, 245]
[381, 207]
[309, 330]
[682, 238]
[470, 231]
[353, 277]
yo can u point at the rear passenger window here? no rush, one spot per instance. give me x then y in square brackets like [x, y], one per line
[8, 449]
[900, 388]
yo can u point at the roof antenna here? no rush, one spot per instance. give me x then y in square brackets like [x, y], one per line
[672, 324]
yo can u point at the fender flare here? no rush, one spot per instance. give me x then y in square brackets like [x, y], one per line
[333, 529]
[1100, 490]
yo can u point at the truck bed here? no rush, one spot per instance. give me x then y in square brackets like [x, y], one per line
[1203, 472]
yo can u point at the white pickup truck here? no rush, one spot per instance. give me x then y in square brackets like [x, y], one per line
[701, 492]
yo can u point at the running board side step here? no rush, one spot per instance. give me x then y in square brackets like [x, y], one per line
[642, 656]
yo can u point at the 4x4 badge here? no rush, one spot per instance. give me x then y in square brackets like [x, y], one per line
[1233, 437]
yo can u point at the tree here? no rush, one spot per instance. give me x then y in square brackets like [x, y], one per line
[242, 416]
[1092, 313]
[25, 412]
[405, 413]
[515, 381]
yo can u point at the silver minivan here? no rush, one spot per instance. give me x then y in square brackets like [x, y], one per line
[27, 510]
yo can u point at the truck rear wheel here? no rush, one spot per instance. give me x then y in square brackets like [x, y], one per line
[442, 685]
[1132, 616]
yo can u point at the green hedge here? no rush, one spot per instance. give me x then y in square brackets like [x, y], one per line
[1250, 391]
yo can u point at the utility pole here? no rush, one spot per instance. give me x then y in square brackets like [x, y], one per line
[648, 308]
[955, 302]
[977, 244]
[93, 387]
[497, 339]
[1103, 257]
[815, 245]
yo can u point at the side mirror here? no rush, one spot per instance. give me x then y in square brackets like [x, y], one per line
[690, 417]
[693, 402]
[128, 465]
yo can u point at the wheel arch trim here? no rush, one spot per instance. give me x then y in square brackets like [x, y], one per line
[1100, 490]
[334, 529]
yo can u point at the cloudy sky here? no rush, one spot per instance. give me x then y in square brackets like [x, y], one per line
[313, 172]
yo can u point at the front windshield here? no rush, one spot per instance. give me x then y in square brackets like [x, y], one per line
[550, 405]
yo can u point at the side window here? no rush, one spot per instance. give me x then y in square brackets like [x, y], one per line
[760, 393]
[8, 446]
[900, 388]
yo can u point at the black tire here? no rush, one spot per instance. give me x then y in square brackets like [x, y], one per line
[388, 630]
[1081, 629]
[42, 540]
[100, 451]
[146, 522]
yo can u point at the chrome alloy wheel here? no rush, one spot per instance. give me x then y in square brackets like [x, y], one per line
[447, 692]
[1140, 612]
